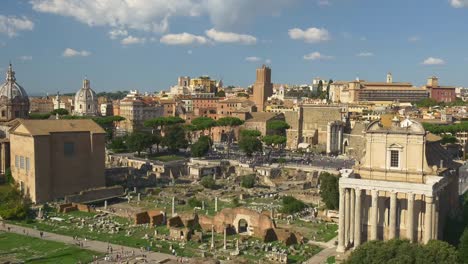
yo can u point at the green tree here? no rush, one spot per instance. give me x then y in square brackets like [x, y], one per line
[230, 122]
[60, 112]
[38, 116]
[328, 89]
[204, 123]
[208, 182]
[463, 247]
[14, 205]
[248, 181]
[291, 205]
[118, 144]
[274, 141]
[249, 142]
[138, 142]
[329, 191]
[107, 123]
[9, 177]
[402, 251]
[427, 102]
[174, 138]
[156, 139]
[278, 127]
[221, 93]
[201, 147]
[194, 202]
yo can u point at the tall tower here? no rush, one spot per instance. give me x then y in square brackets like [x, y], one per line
[389, 77]
[263, 88]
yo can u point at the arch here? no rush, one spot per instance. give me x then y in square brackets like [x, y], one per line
[345, 146]
[242, 226]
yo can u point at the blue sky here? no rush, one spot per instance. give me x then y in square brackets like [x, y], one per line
[131, 44]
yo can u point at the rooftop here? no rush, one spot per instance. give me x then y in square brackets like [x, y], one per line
[46, 127]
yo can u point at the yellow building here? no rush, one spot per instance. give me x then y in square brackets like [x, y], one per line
[54, 158]
[203, 83]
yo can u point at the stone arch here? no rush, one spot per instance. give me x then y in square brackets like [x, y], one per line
[345, 145]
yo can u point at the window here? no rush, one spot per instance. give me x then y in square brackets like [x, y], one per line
[394, 159]
[16, 161]
[3, 113]
[27, 164]
[21, 162]
[68, 149]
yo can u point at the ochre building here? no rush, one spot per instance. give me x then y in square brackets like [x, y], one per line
[54, 158]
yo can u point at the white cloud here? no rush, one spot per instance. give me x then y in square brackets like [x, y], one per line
[323, 3]
[414, 39]
[253, 59]
[68, 52]
[25, 58]
[310, 35]
[10, 25]
[229, 37]
[130, 40]
[183, 39]
[268, 61]
[155, 15]
[365, 54]
[317, 56]
[433, 61]
[115, 33]
[459, 3]
[189, 52]
[363, 38]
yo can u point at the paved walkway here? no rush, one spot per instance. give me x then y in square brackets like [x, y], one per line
[329, 249]
[152, 257]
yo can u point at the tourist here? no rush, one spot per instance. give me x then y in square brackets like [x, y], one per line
[41, 234]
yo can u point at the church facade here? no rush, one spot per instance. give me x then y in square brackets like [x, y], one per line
[403, 188]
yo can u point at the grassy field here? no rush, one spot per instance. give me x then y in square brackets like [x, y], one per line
[15, 248]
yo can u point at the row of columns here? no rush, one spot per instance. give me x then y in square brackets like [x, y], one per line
[349, 232]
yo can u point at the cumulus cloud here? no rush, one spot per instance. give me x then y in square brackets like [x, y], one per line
[323, 3]
[154, 15]
[189, 52]
[183, 39]
[433, 61]
[459, 3]
[229, 37]
[68, 52]
[25, 58]
[317, 56]
[130, 40]
[310, 35]
[115, 33]
[365, 54]
[253, 59]
[268, 61]
[11, 25]
[414, 39]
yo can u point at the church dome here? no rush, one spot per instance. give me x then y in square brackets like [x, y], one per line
[86, 102]
[11, 89]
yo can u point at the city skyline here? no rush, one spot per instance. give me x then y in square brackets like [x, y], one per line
[147, 45]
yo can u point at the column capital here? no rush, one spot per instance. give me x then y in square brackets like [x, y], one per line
[374, 193]
[357, 191]
[429, 199]
[411, 196]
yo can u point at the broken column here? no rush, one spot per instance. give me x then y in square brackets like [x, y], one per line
[216, 204]
[212, 236]
[105, 204]
[173, 206]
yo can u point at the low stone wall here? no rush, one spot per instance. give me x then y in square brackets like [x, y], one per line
[95, 194]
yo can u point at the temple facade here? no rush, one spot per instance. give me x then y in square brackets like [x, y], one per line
[403, 188]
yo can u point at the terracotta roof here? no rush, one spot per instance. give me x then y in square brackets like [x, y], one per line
[45, 127]
[261, 116]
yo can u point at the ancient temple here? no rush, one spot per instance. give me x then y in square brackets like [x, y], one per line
[404, 187]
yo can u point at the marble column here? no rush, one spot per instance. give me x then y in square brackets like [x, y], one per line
[216, 204]
[393, 213]
[341, 226]
[173, 207]
[351, 217]
[347, 218]
[410, 218]
[428, 219]
[329, 137]
[374, 215]
[357, 219]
